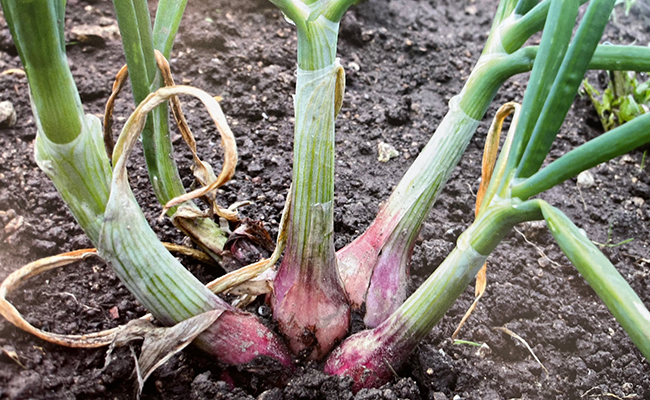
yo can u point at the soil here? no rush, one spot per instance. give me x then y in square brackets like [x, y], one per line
[404, 60]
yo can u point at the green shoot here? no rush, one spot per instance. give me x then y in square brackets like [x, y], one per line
[308, 300]
[627, 6]
[42, 53]
[383, 250]
[467, 342]
[608, 242]
[68, 146]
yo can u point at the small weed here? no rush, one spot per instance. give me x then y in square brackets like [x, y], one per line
[624, 99]
[609, 243]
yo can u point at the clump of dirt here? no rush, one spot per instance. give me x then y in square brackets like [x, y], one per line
[404, 60]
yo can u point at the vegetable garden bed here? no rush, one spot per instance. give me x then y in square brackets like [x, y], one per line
[404, 60]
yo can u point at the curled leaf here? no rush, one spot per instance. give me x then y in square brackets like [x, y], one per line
[203, 171]
[120, 80]
[18, 278]
[135, 123]
[227, 140]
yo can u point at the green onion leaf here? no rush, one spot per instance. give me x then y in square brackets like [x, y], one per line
[602, 276]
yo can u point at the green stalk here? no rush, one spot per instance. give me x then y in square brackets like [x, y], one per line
[491, 71]
[404, 211]
[602, 276]
[621, 58]
[370, 357]
[163, 286]
[515, 35]
[607, 146]
[606, 57]
[338, 8]
[410, 203]
[374, 266]
[565, 86]
[523, 6]
[555, 41]
[135, 26]
[165, 27]
[383, 250]
[504, 11]
[37, 27]
[308, 299]
[69, 145]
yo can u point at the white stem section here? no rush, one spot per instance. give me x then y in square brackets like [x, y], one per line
[146, 268]
[313, 169]
[308, 300]
[80, 171]
[317, 38]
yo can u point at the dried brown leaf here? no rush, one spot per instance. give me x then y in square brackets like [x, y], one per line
[120, 80]
[20, 276]
[13, 71]
[339, 92]
[203, 172]
[490, 153]
[187, 251]
[160, 344]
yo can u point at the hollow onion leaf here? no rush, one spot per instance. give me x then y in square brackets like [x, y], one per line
[602, 276]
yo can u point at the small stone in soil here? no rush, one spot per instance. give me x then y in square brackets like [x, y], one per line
[23, 385]
[7, 114]
[94, 35]
[585, 180]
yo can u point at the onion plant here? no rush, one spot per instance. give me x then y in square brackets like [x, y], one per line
[314, 288]
[308, 299]
[374, 267]
[369, 357]
[69, 148]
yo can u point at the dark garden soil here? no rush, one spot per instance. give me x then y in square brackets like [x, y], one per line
[404, 60]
